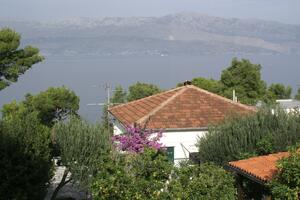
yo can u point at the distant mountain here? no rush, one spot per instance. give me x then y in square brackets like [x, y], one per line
[183, 33]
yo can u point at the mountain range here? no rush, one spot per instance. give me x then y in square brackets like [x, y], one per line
[174, 34]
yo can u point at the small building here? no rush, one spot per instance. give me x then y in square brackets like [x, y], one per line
[289, 104]
[260, 170]
[183, 113]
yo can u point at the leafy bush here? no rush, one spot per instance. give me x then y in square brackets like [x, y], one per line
[258, 134]
[25, 162]
[286, 184]
[82, 146]
[205, 181]
[52, 105]
[132, 176]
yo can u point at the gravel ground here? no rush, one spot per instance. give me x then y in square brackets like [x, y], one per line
[68, 191]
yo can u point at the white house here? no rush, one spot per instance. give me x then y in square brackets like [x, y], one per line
[183, 113]
[289, 104]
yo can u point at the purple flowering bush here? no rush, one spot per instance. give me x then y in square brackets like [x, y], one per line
[136, 139]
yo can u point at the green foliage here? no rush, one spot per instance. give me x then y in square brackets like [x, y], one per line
[52, 105]
[14, 61]
[297, 96]
[256, 134]
[279, 91]
[208, 84]
[112, 181]
[141, 90]
[25, 162]
[150, 175]
[119, 95]
[286, 184]
[132, 176]
[245, 78]
[82, 146]
[205, 181]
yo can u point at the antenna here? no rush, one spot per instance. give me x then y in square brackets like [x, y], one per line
[234, 97]
[107, 88]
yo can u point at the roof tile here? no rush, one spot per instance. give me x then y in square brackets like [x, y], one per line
[261, 167]
[183, 107]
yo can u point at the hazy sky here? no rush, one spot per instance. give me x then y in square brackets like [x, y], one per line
[48, 10]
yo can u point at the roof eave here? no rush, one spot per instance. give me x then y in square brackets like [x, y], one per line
[185, 129]
[166, 129]
[245, 174]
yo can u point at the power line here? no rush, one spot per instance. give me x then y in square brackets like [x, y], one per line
[107, 88]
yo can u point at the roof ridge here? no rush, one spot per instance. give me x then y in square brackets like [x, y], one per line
[134, 101]
[164, 103]
[222, 98]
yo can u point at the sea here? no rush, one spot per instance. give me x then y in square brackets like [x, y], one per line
[87, 76]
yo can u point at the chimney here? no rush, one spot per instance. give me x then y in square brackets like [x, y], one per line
[187, 83]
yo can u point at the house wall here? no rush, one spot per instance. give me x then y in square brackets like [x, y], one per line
[183, 142]
[118, 128]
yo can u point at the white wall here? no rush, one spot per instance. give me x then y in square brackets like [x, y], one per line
[118, 128]
[183, 143]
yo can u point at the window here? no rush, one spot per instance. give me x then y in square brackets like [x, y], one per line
[170, 154]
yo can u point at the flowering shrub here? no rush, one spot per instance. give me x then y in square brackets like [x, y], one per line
[136, 139]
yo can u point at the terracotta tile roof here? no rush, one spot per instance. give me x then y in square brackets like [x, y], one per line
[183, 107]
[262, 168]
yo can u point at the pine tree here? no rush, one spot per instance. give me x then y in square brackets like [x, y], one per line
[13, 60]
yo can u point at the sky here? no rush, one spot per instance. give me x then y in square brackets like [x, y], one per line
[286, 11]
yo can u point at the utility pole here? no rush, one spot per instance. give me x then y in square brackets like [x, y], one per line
[107, 88]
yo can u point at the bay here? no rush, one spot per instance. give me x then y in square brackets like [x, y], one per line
[87, 75]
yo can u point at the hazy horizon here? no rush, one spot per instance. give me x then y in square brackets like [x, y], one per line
[56, 10]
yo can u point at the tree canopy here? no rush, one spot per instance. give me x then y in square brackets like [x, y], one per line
[140, 90]
[52, 104]
[208, 84]
[25, 157]
[13, 60]
[244, 77]
[119, 95]
[297, 96]
[279, 91]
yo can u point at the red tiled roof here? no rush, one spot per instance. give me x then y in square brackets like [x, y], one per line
[262, 168]
[183, 107]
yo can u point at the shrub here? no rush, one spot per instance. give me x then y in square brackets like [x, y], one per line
[258, 134]
[286, 184]
[132, 176]
[82, 146]
[205, 181]
[25, 162]
[136, 139]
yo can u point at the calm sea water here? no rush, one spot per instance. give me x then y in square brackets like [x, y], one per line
[86, 75]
